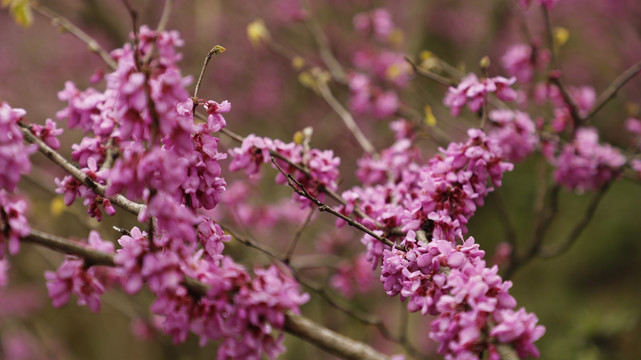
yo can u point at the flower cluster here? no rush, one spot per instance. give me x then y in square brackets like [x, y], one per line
[14, 154]
[377, 22]
[237, 310]
[162, 157]
[366, 98]
[473, 307]
[378, 73]
[515, 133]
[474, 91]
[75, 277]
[438, 197]
[320, 167]
[584, 164]
[521, 60]
[13, 223]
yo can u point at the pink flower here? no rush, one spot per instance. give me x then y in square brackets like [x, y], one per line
[72, 277]
[520, 61]
[584, 164]
[48, 133]
[472, 91]
[13, 222]
[14, 154]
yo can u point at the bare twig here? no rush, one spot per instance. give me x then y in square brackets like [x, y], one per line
[297, 234]
[217, 49]
[322, 42]
[251, 243]
[328, 340]
[119, 200]
[556, 76]
[345, 115]
[133, 14]
[543, 218]
[300, 190]
[504, 213]
[162, 23]
[578, 228]
[59, 20]
[431, 75]
[611, 91]
[164, 17]
[68, 247]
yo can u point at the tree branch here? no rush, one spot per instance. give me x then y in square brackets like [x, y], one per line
[300, 190]
[119, 200]
[611, 91]
[556, 75]
[295, 324]
[322, 42]
[579, 227]
[345, 115]
[328, 340]
[57, 19]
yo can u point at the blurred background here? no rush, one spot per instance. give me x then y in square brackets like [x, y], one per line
[588, 298]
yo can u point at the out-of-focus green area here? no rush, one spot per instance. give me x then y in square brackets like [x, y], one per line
[588, 298]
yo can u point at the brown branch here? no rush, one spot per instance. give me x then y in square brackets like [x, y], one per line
[431, 75]
[556, 74]
[65, 246]
[217, 49]
[322, 42]
[543, 218]
[579, 227]
[504, 213]
[345, 115]
[297, 234]
[610, 92]
[57, 19]
[334, 195]
[295, 324]
[162, 23]
[119, 200]
[300, 190]
[328, 340]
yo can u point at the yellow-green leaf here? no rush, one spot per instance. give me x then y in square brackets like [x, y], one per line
[430, 119]
[20, 10]
[57, 206]
[561, 36]
[257, 32]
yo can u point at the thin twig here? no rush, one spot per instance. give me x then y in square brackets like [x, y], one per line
[345, 115]
[556, 77]
[504, 213]
[322, 42]
[611, 91]
[217, 49]
[133, 14]
[162, 23]
[251, 243]
[579, 227]
[297, 234]
[119, 200]
[543, 218]
[431, 75]
[63, 245]
[57, 19]
[300, 190]
[333, 194]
